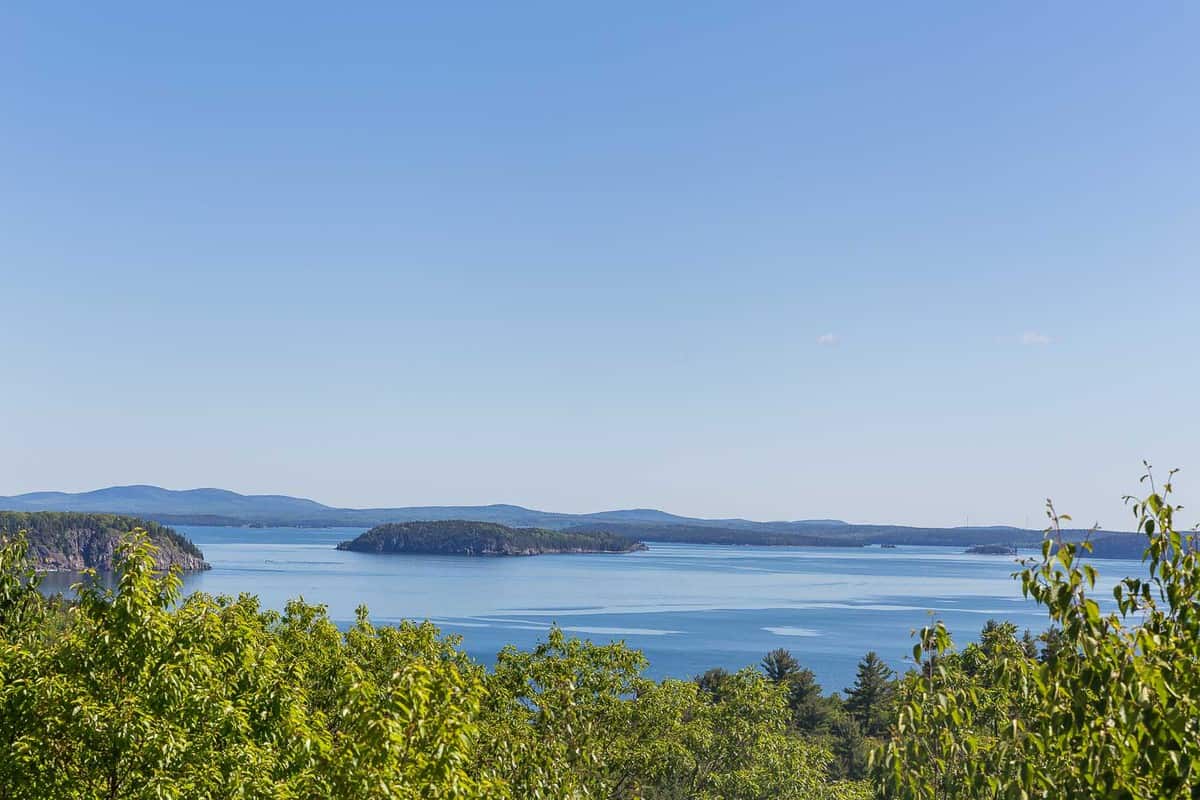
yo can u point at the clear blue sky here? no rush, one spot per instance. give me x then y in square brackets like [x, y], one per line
[880, 262]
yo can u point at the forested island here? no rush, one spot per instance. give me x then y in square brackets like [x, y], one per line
[465, 538]
[991, 550]
[69, 542]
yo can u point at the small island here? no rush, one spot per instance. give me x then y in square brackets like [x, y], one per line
[991, 550]
[466, 538]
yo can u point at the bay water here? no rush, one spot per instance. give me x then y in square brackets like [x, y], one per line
[687, 607]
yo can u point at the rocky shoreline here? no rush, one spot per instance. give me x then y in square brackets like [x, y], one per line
[71, 542]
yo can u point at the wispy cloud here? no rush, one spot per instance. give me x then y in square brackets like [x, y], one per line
[1033, 338]
[827, 340]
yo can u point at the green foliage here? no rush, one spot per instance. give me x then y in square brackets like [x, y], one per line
[851, 749]
[816, 717]
[20, 603]
[1052, 642]
[137, 692]
[869, 700]
[811, 712]
[459, 537]
[780, 665]
[1111, 709]
[582, 715]
[52, 529]
[145, 695]
[711, 680]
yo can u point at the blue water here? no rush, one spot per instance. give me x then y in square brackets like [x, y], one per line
[687, 607]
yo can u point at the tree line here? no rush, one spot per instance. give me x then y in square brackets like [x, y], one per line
[53, 529]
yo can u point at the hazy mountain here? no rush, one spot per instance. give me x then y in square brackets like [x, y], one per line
[156, 500]
[223, 507]
[217, 506]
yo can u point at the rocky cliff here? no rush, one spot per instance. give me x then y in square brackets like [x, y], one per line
[74, 541]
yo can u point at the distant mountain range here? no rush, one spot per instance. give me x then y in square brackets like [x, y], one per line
[223, 507]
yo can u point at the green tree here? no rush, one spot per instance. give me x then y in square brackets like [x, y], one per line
[711, 680]
[138, 692]
[812, 712]
[869, 700]
[851, 750]
[1112, 711]
[575, 719]
[20, 604]
[1052, 642]
[780, 665]
[144, 694]
[1029, 644]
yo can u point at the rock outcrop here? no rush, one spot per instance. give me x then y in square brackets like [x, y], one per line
[75, 541]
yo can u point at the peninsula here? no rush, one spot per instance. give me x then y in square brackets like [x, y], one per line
[70, 542]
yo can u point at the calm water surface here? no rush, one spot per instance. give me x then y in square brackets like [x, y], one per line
[687, 607]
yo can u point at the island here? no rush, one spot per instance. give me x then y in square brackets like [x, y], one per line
[465, 538]
[69, 541]
[991, 550]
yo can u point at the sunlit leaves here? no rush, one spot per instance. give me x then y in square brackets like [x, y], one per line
[137, 692]
[142, 695]
[1112, 709]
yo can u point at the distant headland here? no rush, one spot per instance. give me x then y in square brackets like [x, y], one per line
[73, 541]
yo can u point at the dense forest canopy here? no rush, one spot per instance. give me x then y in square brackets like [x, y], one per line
[462, 537]
[137, 692]
[75, 541]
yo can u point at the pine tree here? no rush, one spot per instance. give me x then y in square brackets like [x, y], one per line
[869, 699]
[850, 749]
[780, 665]
[712, 680]
[1029, 644]
[1053, 642]
[812, 712]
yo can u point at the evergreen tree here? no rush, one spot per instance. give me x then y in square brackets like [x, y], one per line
[1029, 644]
[812, 712]
[851, 750]
[712, 680]
[869, 700]
[1052, 643]
[780, 665]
